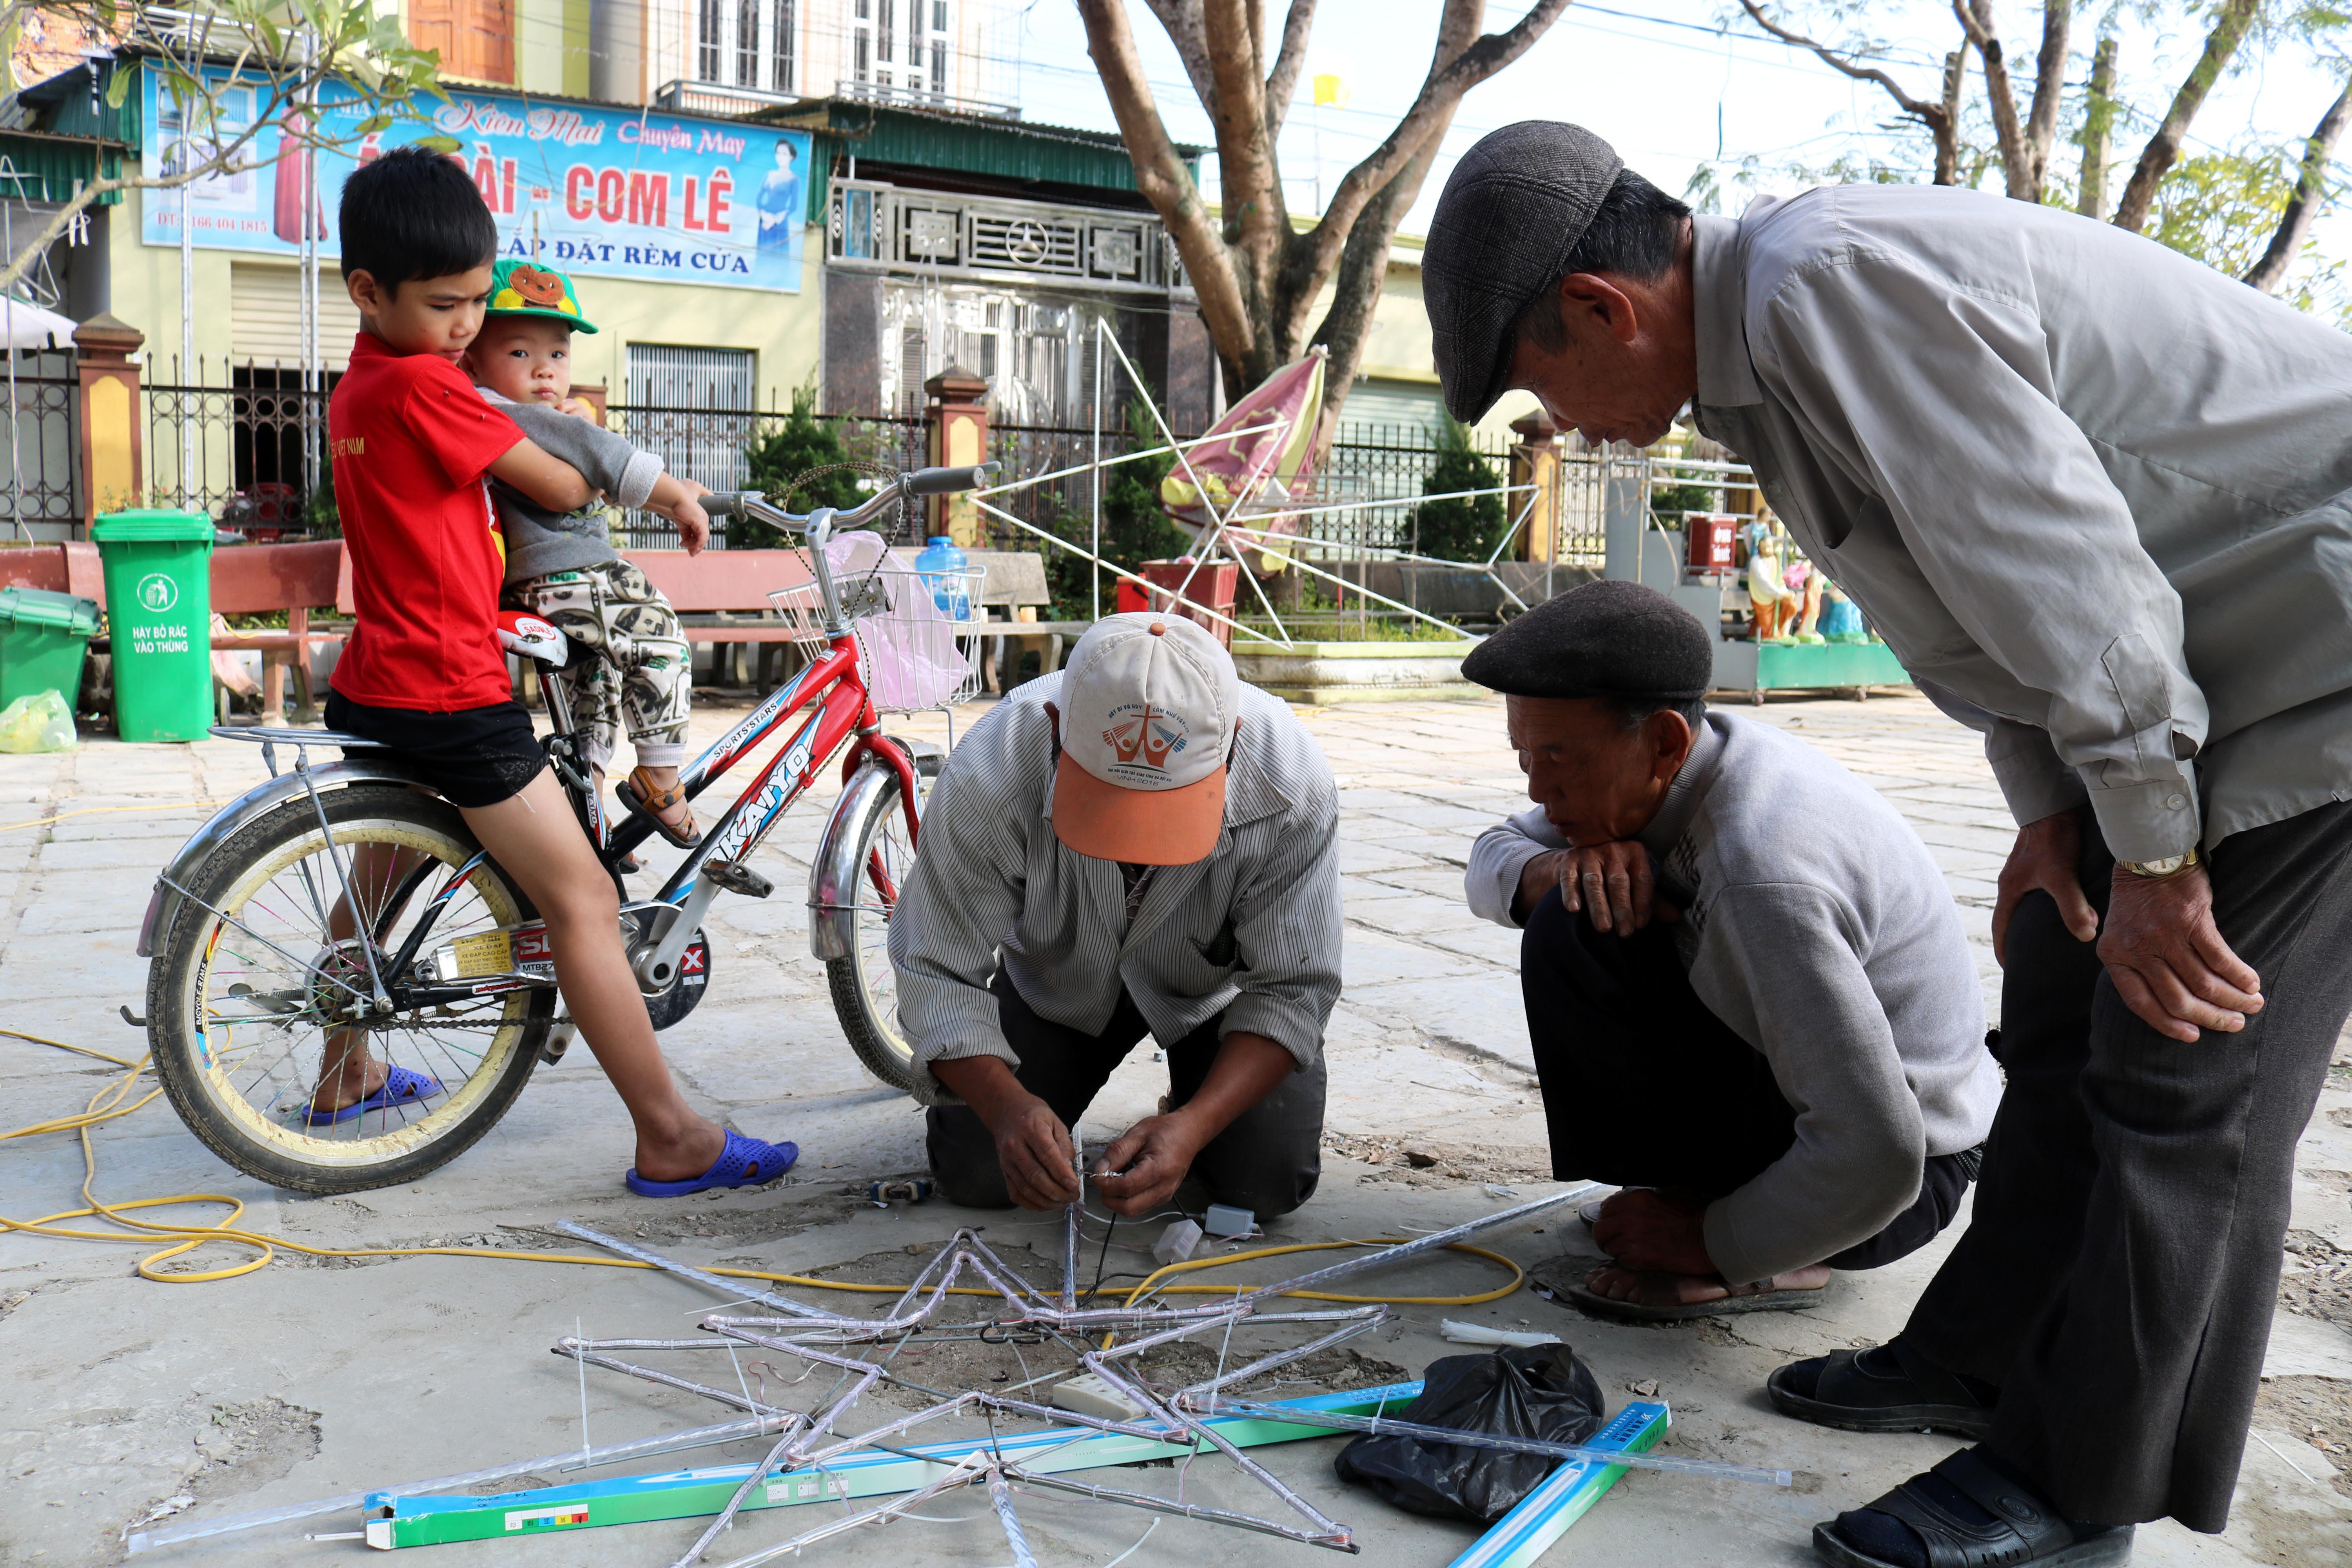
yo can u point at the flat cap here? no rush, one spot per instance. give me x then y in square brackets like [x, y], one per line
[1601, 640]
[1514, 209]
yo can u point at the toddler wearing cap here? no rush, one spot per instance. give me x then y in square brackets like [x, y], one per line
[562, 566]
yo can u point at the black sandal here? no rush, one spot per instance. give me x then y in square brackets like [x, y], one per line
[2013, 1529]
[1914, 1395]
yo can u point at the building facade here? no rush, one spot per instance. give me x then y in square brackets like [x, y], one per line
[753, 197]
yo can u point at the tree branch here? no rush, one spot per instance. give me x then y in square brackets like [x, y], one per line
[1182, 19]
[2230, 28]
[2310, 193]
[1364, 260]
[1320, 248]
[1162, 178]
[1829, 57]
[1282, 80]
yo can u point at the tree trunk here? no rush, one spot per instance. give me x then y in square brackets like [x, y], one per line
[2310, 190]
[1945, 127]
[2049, 87]
[2016, 157]
[2230, 28]
[2098, 131]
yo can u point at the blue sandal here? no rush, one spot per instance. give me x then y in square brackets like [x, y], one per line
[401, 1087]
[744, 1163]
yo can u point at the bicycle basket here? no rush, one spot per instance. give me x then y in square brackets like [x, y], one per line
[801, 608]
[852, 559]
[918, 650]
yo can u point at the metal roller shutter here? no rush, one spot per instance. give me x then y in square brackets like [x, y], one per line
[265, 313]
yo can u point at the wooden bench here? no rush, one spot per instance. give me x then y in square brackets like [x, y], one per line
[259, 579]
[246, 579]
[721, 599]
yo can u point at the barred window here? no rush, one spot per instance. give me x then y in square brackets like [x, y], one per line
[707, 52]
[783, 47]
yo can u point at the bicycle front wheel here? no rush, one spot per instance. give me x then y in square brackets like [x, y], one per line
[259, 995]
[864, 985]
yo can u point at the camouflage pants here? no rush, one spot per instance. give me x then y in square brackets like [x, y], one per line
[638, 669]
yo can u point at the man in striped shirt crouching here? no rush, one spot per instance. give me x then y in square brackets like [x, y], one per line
[1138, 845]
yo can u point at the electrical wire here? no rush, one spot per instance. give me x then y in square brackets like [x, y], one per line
[106, 1104]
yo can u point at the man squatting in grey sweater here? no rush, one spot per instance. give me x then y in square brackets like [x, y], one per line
[1767, 1025]
[562, 566]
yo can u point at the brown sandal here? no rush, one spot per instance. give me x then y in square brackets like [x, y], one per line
[639, 798]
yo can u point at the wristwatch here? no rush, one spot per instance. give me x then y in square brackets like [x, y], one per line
[2157, 871]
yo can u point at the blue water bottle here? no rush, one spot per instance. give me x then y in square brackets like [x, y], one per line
[943, 566]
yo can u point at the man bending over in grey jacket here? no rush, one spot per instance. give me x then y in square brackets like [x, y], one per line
[1749, 996]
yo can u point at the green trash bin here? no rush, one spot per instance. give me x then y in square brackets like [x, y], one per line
[159, 615]
[42, 637]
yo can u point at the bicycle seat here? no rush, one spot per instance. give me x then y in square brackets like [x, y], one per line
[521, 632]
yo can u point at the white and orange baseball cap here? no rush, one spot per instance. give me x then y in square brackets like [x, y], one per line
[1148, 709]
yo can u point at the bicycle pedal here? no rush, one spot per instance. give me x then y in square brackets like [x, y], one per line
[737, 878]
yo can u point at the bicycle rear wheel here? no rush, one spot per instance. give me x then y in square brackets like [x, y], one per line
[250, 1000]
[865, 987]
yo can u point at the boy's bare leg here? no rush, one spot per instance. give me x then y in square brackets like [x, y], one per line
[348, 1073]
[537, 840]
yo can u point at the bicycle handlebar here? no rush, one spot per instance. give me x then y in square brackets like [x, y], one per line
[919, 482]
[946, 481]
[818, 526]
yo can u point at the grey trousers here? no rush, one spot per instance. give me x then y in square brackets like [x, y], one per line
[2117, 1278]
[1267, 1159]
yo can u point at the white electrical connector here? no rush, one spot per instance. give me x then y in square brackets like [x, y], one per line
[1176, 1243]
[1225, 1222]
[1090, 1395]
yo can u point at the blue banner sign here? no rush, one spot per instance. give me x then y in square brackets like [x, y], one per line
[601, 192]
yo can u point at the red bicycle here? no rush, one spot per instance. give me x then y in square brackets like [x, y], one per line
[345, 896]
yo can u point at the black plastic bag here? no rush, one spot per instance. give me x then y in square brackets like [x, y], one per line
[1541, 1392]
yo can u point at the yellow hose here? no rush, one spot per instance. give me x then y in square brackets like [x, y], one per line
[99, 811]
[107, 1104]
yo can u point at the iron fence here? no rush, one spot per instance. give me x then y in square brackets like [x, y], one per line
[244, 444]
[713, 447]
[41, 466]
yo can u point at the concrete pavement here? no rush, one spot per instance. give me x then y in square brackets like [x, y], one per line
[310, 1377]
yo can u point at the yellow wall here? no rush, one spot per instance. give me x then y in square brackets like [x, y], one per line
[552, 46]
[146, 290]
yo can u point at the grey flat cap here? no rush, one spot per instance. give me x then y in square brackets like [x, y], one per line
[1513, 208]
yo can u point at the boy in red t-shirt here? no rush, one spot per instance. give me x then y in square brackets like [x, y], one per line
[424, 673]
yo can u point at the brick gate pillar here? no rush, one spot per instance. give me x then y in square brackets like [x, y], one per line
[113, 474]
[1535, 461]
[958, 412]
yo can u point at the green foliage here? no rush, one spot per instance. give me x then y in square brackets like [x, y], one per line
[1134, 529]
[1669, 503]
[319, 515]
[1468, 527]
[785, 462]
[2222, 207]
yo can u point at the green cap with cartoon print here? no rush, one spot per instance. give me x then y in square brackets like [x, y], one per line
[527, 289]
